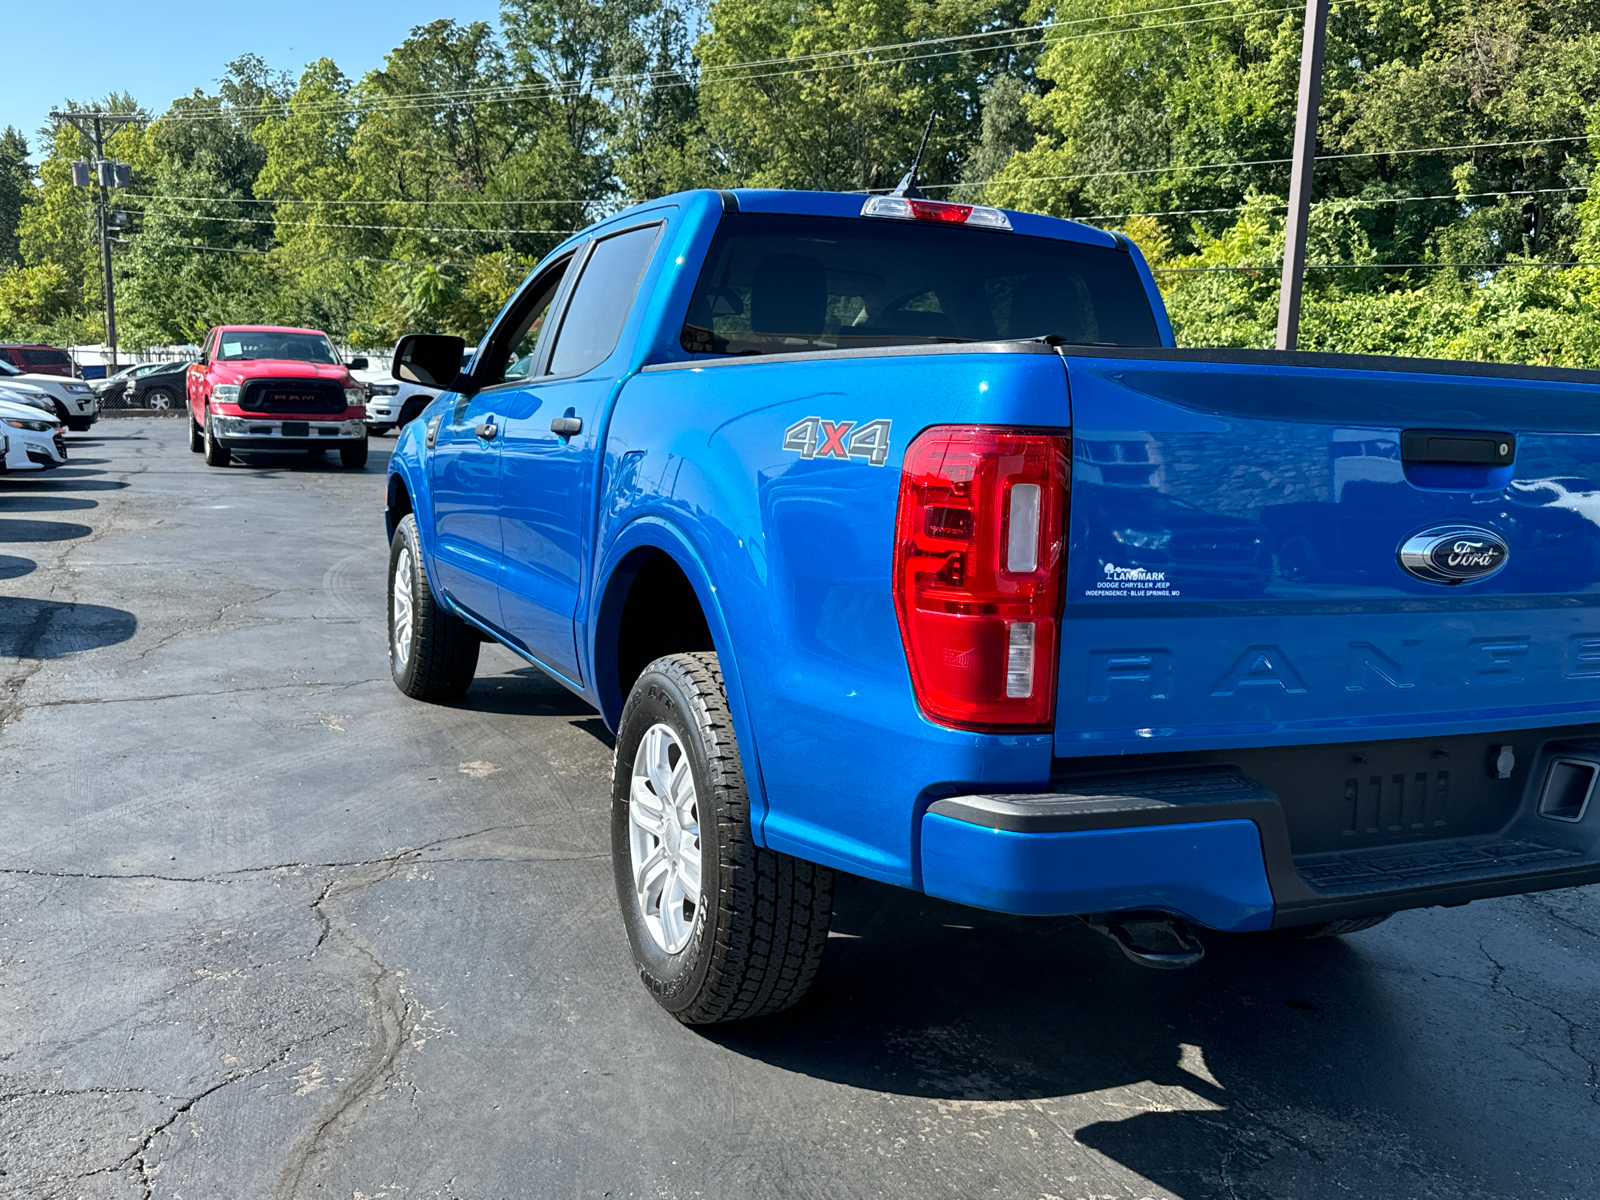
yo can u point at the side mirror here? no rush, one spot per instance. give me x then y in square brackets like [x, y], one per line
[357, 364]
[431, 359]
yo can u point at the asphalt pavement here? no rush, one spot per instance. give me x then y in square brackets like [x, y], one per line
[270, 929]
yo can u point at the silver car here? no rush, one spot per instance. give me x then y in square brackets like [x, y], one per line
[74, 401]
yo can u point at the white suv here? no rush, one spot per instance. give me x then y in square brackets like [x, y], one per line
[76, 404]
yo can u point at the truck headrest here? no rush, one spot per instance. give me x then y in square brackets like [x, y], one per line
[788, 294]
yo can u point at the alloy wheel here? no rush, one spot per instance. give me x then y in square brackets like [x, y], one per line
[400, 639]
[664, 838]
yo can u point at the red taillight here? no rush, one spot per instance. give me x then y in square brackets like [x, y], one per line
[939, 210]
[977, 572]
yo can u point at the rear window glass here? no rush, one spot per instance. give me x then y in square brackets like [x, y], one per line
[46, 358]
[778, 284]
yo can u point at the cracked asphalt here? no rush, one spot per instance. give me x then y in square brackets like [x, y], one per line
[269, 929]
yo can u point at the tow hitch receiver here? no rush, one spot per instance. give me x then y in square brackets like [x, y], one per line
[1154, 940]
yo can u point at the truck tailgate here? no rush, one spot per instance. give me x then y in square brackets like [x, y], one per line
[1234, 574]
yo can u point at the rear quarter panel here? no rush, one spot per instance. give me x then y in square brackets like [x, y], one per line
[800, 552]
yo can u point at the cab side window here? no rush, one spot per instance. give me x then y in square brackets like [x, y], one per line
[510, 357]
[599, 305]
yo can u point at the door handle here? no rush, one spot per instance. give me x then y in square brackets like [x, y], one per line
[487, 430]
[567, 426]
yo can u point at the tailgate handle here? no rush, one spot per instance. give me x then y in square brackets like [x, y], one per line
[1458, 447]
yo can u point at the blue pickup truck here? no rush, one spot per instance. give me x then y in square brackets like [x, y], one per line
[898, 538]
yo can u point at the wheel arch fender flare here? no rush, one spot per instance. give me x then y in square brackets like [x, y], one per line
[618, 566]
[405, 491]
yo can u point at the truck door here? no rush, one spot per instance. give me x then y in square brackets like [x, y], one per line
[464, 474]
[549, 445]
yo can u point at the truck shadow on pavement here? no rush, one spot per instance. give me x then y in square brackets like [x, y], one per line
[1265, 1072]
[36, 629]
[528, 691]
[13, 567]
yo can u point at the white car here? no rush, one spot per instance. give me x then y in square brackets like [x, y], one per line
[18, 394]
[33, 441]
[394, 403]
[75, 401]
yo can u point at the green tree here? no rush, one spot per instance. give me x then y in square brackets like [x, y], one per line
[56, 230]
[196, 260]
[823, 112]
[16, 191]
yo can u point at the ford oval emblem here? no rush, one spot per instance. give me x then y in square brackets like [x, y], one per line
[1453, 554]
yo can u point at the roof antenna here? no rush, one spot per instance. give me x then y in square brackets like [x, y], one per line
[908, 182]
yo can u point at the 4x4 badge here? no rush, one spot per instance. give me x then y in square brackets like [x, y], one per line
[1452, 554]
[816, 438]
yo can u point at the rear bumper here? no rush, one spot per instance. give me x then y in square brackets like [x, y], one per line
[1212, 845]
[1210, 872]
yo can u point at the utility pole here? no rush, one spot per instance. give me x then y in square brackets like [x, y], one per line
[1305, 156]
[96, 126]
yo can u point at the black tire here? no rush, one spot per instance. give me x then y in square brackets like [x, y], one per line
[1322, 929]
[217, 455]
[759, 928]
[79, 426]
[62, 414]
[160, 399]
[197, 439]
[440, 655]
[354, 454]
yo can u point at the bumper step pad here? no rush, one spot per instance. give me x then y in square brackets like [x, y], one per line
[1477, 859]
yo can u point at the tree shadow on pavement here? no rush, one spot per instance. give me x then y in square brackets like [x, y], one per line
[38, 629]
[11, 502]
[18, 530]
[52, 481]
[12, 567]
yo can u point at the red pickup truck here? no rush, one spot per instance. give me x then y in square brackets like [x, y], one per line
[268, 388]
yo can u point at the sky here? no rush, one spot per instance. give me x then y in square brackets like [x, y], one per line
[161, 49]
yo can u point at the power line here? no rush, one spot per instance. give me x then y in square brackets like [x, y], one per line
[405, 262]
[342, 225]
[965, 183]
[1412, 266]
[335, 203]
[1252, 162]
[1098, 216]
[1335, 200]
[533, 90]
[675, 78]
